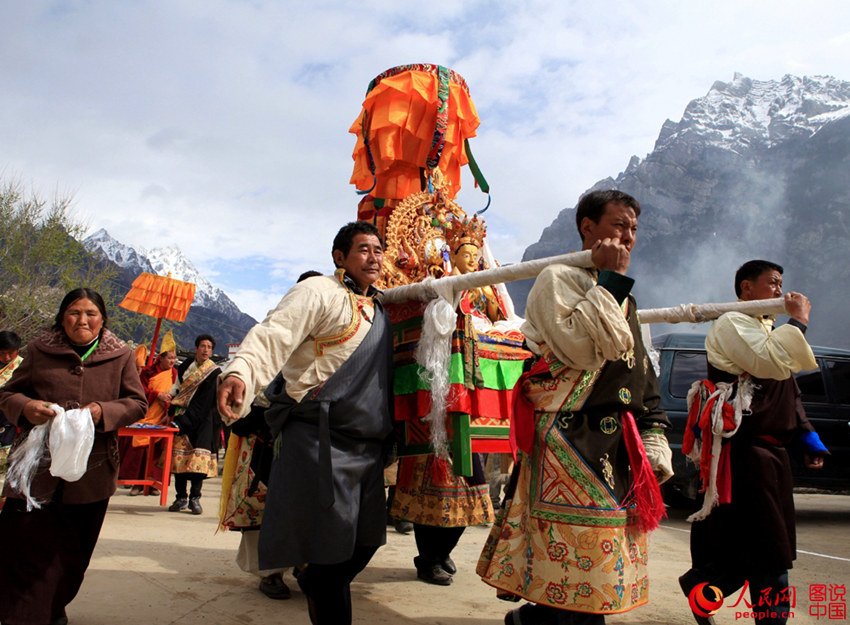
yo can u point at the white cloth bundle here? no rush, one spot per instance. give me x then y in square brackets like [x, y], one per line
[659, 454]
[68, 437]
[71, 440]
[741, 401]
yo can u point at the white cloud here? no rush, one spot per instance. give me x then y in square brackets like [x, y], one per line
[255, 303]
[223, 126]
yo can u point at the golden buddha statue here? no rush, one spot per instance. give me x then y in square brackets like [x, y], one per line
[465, 240]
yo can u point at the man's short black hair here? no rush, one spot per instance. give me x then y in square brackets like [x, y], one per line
[751, 270]
[9, 340]
[593, 205]
[308, 274]
[345, 237]
[204, 337]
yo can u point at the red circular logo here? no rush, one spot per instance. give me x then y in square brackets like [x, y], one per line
[705, 600]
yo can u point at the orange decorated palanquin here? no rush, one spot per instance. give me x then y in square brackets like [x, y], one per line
[412, 140]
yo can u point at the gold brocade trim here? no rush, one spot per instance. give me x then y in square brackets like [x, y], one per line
[428, 495]
[358, 303]
[7, 371]
[188, 459]
[323, 343]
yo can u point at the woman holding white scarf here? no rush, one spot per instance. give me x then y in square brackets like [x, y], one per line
[77, 363]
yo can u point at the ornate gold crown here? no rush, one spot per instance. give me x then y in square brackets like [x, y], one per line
[460, 232]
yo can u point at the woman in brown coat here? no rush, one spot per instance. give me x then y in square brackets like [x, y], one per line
[77, 363]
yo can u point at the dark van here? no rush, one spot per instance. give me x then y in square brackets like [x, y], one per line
[825, 395]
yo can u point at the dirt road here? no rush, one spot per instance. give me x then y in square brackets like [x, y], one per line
[156, 567]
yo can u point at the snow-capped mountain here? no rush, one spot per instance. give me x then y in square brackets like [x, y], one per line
[161, 261]
[212, 311]
[746, 113]
[753, 169]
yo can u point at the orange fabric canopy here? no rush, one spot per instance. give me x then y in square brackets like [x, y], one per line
[160, 297]
[400, 115]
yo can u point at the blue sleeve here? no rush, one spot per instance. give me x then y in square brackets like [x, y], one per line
[810, 443]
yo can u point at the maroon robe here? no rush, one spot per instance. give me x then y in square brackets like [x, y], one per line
[756, 532]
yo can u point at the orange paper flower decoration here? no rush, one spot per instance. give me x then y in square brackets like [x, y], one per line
[399, 119]
[160, 297]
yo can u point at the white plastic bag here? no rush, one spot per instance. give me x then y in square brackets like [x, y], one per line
[70, 443]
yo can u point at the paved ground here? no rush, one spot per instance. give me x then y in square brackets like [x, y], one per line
[156, 567]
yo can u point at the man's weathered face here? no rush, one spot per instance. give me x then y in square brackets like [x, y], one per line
[203, 351]
[767, 286]
[363, 261]
[7, 356]
[617, 222]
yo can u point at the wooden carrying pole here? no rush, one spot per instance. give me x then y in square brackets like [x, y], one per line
[428, 289]
[691, 313]
[694, 313]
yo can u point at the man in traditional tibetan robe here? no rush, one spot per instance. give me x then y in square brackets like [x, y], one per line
[195, 456]
[750, 537]
[327, 352]
[572, 538]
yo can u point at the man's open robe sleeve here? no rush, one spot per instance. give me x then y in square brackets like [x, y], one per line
[268, 345]
[580, 321]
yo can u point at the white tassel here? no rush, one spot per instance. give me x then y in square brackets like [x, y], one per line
[25, 460]
[434, 354]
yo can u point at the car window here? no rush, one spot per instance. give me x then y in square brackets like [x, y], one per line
[839, 370]
[811, 386]
[688, 367]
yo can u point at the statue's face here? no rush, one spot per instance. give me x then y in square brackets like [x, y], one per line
[465, 260]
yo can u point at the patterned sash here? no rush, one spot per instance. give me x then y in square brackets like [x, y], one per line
[191, 383]
[7, 371]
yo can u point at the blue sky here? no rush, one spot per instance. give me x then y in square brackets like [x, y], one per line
[222, 126]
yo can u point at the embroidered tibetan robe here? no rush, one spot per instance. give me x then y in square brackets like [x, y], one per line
[196, 447]
[567, 536]
[486, 363]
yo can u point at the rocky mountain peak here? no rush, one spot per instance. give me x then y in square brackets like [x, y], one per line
[747, 113]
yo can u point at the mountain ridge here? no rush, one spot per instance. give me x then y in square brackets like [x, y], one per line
[754, 169]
